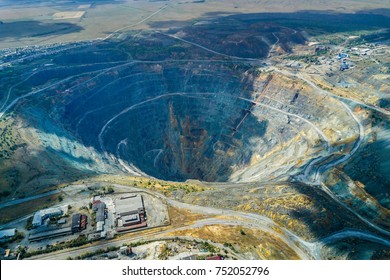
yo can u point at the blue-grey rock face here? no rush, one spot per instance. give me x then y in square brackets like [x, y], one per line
[172, 121]
[206, 120]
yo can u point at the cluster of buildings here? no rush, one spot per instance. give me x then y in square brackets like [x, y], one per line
[344, 64]
[11, 55]
[7, 235]
[366, 50]
[126, 213]
[62, 227]
[344, 57]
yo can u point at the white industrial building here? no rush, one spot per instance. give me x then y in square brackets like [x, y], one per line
[43, 214]
[99, 226]
[130, 212]
[129, 206]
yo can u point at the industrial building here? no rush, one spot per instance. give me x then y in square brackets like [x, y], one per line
[49, 233]
[7, 233]
[99, 207]
[342, 56]
[344, 66]
[79, 222]
[42, 215]
[61, 222]
[130, 212]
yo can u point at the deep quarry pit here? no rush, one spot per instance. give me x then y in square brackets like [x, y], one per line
[212, 122]
[175, 122]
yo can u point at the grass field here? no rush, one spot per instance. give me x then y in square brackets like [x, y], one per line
[259, 244]
[20, 210]
[102, 19]
[69, 15]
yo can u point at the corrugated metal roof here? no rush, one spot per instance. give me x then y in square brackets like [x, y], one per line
[62, 221]
[76, 220]
[50, 233]
[99, 226]
[130, 218]
[7, 233]
[129, 204]
[44, 213]
[100, 211]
